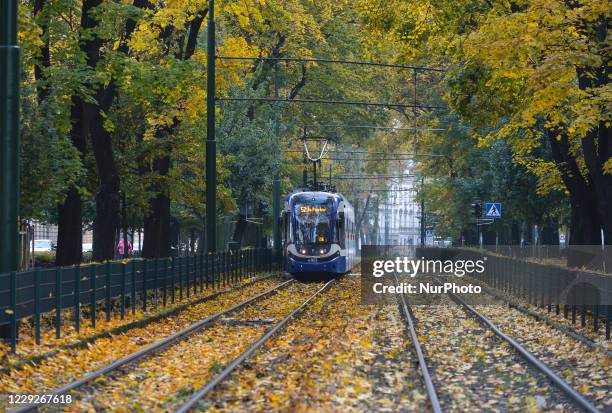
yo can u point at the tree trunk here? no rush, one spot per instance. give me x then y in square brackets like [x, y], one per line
[586, 224]
[157, 228]
[157, 221]
[108, 201]
[69, 233]
[515, 233]
[550, 232]
[69, 236]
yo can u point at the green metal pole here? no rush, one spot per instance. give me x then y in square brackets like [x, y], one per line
[211, 149]
[276, 183]
[9, 137]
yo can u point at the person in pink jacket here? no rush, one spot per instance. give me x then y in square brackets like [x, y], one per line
[120, 248]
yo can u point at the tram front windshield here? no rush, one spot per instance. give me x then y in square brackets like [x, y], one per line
[313, 220]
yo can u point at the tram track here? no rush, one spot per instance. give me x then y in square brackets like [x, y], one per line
[570, 392]
[568, 331]
[537, 366]
[338, 356]
[154, 348]
[236, 362]
[431, 390]
[581, 362]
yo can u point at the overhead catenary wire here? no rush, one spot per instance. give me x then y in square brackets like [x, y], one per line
[398, 154]
[338, 61]
[333, 102]
[410, 176]
[399, 128]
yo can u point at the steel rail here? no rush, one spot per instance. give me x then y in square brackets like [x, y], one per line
[345, 62]
[247, 353]
[192, 329]
[431, 390]
[569, 391]
[333, 102]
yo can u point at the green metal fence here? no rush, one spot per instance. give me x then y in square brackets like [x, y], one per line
[582, 293]
[118, 286]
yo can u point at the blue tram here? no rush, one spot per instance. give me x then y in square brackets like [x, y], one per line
[319, 233]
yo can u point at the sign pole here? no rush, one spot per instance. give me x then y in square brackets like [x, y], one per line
[9, 137]
[211, 144]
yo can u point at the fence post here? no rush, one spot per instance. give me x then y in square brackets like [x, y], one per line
[608, 315]
[123, 264]
[224, 267]
[211, 258]
[14, 331]
[165, 287]
[77, 297]
[228, 267]
[235, 265]
[133, 287]
[92, 299]
[108, 290]
[58, 302]
[206, 268]
[201, 271]
[172, 280]
[219, 269]
[155, 273]
[185, 260]
[144, 285]
[180, 271]
[195, 273]
[37, 305]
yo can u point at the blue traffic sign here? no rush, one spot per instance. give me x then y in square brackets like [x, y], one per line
[493, 210]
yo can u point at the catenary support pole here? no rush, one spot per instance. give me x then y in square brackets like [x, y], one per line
[9, 137]
[276, 183]
[211, 149]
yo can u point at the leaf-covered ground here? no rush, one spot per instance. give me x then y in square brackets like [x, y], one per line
[28, 348]
[586, 369]
[163, 381]
[70, 364]
[339, 356]
[562, 322]
[474, 371]
[598, 337]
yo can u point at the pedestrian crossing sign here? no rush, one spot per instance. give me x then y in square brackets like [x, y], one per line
[493, 210]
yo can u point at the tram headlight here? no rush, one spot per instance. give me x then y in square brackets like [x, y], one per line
[303, 251]
[322, 251]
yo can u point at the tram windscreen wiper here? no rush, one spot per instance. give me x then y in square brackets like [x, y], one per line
[313, 223]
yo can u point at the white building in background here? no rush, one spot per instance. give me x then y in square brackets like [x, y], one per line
[399, 217]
